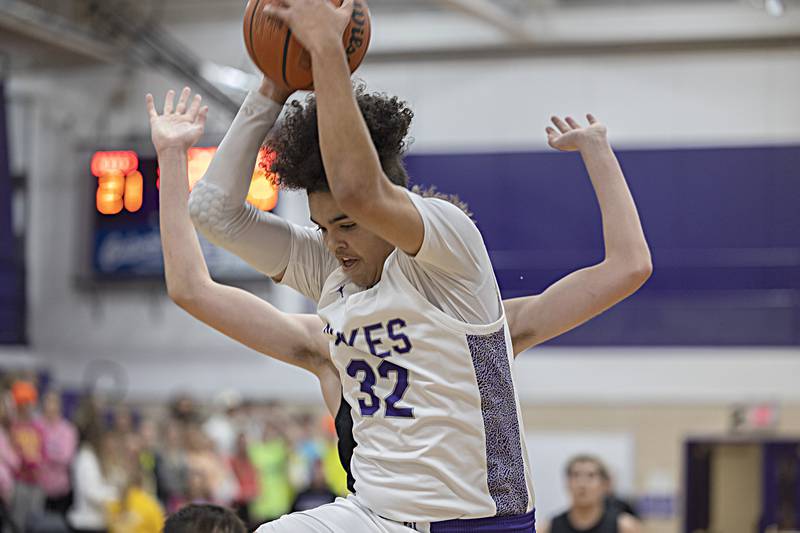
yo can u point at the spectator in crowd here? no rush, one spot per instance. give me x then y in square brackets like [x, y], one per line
[137, 511]
[270, 457]
[250, 420]
[588, 482]
[202, 457]
[317, 493]
[221, 425]
[619, 505]
[184, 410]
[125, 427]
[9, 463]
[60, 445]
[204, 518]
[178, 462]
[97, 480]
[27, 439]
[331, 464]
[197, 491]
[144, 450]
[306, 449]
[170, 467]
[247, 479]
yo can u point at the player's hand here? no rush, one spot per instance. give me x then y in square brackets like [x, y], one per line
[316, 23]
[571, 136]
[179, 127]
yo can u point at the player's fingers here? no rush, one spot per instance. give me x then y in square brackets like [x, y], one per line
[347, 7]
[168, 101]
[279, 12]
[552, 136]
[202, 116]
[151, 106]
[560, 124]
[573, 123]
[195, 107]
[591, 118]
[184, 97]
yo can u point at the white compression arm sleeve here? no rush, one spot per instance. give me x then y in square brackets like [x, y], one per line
[217, 203]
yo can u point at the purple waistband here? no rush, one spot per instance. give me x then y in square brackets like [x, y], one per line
[523, 523]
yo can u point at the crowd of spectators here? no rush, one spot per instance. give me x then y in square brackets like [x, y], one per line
[77, 462]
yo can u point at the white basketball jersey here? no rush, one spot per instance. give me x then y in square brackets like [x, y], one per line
[436, 417]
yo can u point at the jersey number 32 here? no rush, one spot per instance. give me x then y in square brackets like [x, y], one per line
[361, 371]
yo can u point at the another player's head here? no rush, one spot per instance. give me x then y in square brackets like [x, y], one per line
[299, 165]
[204, 519]
[587, 480]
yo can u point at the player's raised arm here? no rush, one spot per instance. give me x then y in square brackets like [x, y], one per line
[586, 293]
[352, 165]
[234, 312]
[218, 207]
[217, 203]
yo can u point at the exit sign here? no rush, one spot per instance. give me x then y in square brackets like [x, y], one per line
[762, 417]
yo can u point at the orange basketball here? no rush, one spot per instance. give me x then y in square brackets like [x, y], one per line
[283, 59]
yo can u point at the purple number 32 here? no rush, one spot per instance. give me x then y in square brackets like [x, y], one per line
[361, 371]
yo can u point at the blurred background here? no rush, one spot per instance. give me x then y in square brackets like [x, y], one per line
[689, 391]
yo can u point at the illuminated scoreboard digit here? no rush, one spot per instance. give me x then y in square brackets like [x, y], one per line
[120, 184]
[126, 242]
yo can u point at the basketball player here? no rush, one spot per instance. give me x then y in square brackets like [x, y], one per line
[588, 482]
[412, 315]
[204, 518]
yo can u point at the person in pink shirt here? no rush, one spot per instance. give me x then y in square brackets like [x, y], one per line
[27, 439]
[246, 477]
[9, 460]
[60, 446]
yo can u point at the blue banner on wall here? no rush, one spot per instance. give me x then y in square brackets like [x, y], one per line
[723, 225]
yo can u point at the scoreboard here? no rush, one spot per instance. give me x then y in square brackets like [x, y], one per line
[126, 243]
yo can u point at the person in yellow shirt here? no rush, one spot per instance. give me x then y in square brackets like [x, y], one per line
[137, 511]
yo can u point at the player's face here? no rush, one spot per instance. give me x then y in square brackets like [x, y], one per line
[586, 484]
[360, 252]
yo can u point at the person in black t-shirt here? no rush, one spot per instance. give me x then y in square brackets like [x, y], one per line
[588, 482]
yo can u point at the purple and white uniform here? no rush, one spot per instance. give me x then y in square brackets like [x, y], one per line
[425, 360]
[435, 415]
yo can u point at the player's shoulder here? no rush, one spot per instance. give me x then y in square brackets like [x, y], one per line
[627, 523]
[440, 210]
[432, 198]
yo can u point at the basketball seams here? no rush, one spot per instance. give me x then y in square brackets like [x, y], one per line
[251, 45]
[286, 44]
[278, 54]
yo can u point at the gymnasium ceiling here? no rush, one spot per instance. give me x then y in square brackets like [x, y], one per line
[38, 34]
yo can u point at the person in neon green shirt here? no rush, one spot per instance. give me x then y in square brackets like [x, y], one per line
[271, 460]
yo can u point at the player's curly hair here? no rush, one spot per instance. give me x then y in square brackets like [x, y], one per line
[206, 518]
[298, 160]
